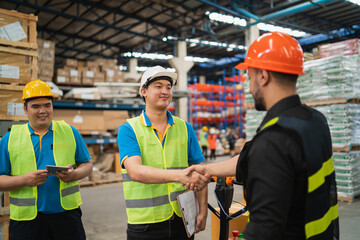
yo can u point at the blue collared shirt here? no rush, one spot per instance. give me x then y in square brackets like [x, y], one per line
[128, 145]
[48, 193]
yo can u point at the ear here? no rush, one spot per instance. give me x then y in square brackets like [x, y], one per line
[264, 77]
[143, 91]
[25, 110]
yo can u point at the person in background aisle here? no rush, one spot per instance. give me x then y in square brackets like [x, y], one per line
[155, 150]
[287, 169]
[43, 205]
[212, 143]
[203, 138]
[231, 137]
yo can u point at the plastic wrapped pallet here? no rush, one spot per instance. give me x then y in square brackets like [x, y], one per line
[253, 120]
[334, 77]
[347, 170]
[344, 123]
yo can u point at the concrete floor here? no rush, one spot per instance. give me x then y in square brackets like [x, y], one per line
[104, 215]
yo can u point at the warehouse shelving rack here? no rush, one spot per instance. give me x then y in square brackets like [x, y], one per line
[209, 103]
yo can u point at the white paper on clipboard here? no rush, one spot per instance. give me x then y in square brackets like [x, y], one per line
[189, 208]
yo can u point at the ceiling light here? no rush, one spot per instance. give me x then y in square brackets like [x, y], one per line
[156, 56]
[273, 28]
[193, 42]
[355, 2]
[227, 19]
[262, 26]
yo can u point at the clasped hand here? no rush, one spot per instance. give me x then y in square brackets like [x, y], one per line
[196, 178]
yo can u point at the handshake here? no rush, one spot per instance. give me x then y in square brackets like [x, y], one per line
[196, 177]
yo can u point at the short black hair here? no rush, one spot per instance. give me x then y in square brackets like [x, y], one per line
[158, 78]
[285, 79]
[27, 100]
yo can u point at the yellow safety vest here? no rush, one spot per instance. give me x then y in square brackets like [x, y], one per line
[23, 201]
[203, 139]
[152, 203]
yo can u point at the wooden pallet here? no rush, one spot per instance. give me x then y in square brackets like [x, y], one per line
[28, 23]
[332, 101]
[87, 183]
[346, 148]
[348, 199]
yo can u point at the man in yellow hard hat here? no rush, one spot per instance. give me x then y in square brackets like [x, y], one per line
[155, 150]
[287, 168]
[44, 204]
[203, 139]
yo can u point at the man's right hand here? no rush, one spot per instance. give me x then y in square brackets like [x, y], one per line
[35, 178]
[195, 180]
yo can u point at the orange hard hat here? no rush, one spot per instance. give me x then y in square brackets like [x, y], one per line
[36, 88]
[275, 51]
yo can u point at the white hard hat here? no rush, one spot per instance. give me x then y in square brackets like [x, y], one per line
[154, 72]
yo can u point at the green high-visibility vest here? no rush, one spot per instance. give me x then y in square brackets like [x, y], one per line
[203, 139]
[23, 201]
[152, 203]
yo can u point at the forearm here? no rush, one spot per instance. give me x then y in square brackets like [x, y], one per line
[9, 183]
[152, 175]
[202, 197]
[83, 170]
[223, 169]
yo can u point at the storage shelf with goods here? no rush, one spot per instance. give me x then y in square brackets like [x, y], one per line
[219, 105]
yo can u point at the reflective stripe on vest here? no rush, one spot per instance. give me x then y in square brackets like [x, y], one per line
[143, 200]
[153, 202]
[320, 217]
[23, 201]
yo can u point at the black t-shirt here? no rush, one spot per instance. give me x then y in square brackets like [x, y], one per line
[277, 178]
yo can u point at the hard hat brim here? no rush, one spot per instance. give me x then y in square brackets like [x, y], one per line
[242, 66]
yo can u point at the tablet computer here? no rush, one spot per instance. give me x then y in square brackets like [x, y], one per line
[51, 168]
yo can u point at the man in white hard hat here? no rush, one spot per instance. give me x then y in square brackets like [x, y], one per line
[155, 150]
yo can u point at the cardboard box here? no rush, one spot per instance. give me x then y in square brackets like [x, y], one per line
[113, 118]
[62, 76]
[111, 75]
[71, 62]
[92, 64]
[86, 121]
[22, 29]
[15, 68]
[234, 224]
[11, 107]
[99, 76]
[87, 76]
[74, 77]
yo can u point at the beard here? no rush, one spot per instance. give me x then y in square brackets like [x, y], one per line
[259, 101]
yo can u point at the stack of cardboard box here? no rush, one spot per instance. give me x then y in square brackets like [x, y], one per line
[46, 59]
[86, 73]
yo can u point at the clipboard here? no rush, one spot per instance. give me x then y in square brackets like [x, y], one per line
[189, 207]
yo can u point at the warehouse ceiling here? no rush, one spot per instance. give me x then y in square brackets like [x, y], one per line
[89, 29]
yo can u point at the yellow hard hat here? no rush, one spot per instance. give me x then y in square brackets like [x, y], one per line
[36, 88]
[204, 128]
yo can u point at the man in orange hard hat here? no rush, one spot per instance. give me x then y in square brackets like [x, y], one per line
[43, 204]
[287, 169]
